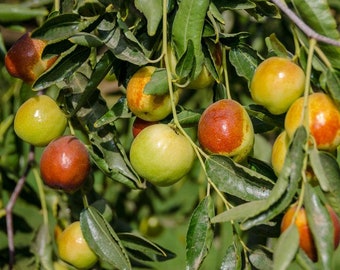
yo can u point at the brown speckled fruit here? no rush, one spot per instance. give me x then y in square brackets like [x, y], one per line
[225, 128]
[65, 164]
[23, 60]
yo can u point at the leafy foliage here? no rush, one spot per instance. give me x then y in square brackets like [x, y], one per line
[221, 215]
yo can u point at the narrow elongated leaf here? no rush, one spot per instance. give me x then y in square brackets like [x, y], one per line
[200, 234]
[188, 25]
[65, 66]
[261, 211]
[333, 82]
[321, 226]
[158, 84]
[135, 245]
[103, 239]
[105, 149]
[286, 248]
[62, 26]
[260, 260]
[233, 258]
[152, 10]
[119, 39]
[237, 180]
[245, 60]
[318, 16]
[17, 13]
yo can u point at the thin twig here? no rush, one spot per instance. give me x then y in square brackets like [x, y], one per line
[10, 205]
[303, 26]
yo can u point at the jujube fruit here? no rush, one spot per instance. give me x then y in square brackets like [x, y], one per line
[277, 82]
[23, 60]
[65, 164]
[306, 240]
[161, 155]
[145, 106]
[225, 129]
[39, 120]
[139, 124]
[279, 152]
[73, 248]
[323, 120]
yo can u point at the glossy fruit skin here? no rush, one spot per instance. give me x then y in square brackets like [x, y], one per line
[139, 124]
[277, 82]
[225, 128]
[65, 164]
[73, 248]
[161, 155]
[324, 120]
[39, 120]
[279, 151]
[147, 107]
[306, 237]
[23, 60]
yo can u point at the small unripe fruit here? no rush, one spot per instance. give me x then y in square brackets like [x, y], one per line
[39, 120]
[144, 106]
[225, 128]
[277, 83]
[306, 237]
[23, 60]
[323, 120]
[65, 164]
[73, 248]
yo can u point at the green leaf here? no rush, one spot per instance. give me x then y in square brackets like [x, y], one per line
[10, 13]
[62, 27]
[152, 10]
[42, 247]
[158, 84]
[121, 41]
[64, 67]
[105, 149]
[99, 72]
[286, 248]
[261, 211]
[103, 239]
[260, 260]
[142, 249]
[245, 60]
[119, 110]
[188, 118]
[86, 39]
[321, 226]
[233, 257]
[333, 82]
[318, 15]
[188, 25]
[236, 179]
[186, 64]
[200, 234]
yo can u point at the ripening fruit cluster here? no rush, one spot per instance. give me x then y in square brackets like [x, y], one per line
[278, 85]
[65, 162]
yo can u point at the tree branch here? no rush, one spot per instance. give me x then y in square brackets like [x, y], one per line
[303, 26]
[10, 206]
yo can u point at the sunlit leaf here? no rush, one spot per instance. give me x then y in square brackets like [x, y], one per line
[200, 234]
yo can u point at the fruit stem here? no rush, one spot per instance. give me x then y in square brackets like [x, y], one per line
[84, 197]
[312, 43]
[41, 195]
[225, 72]
[167, 65]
